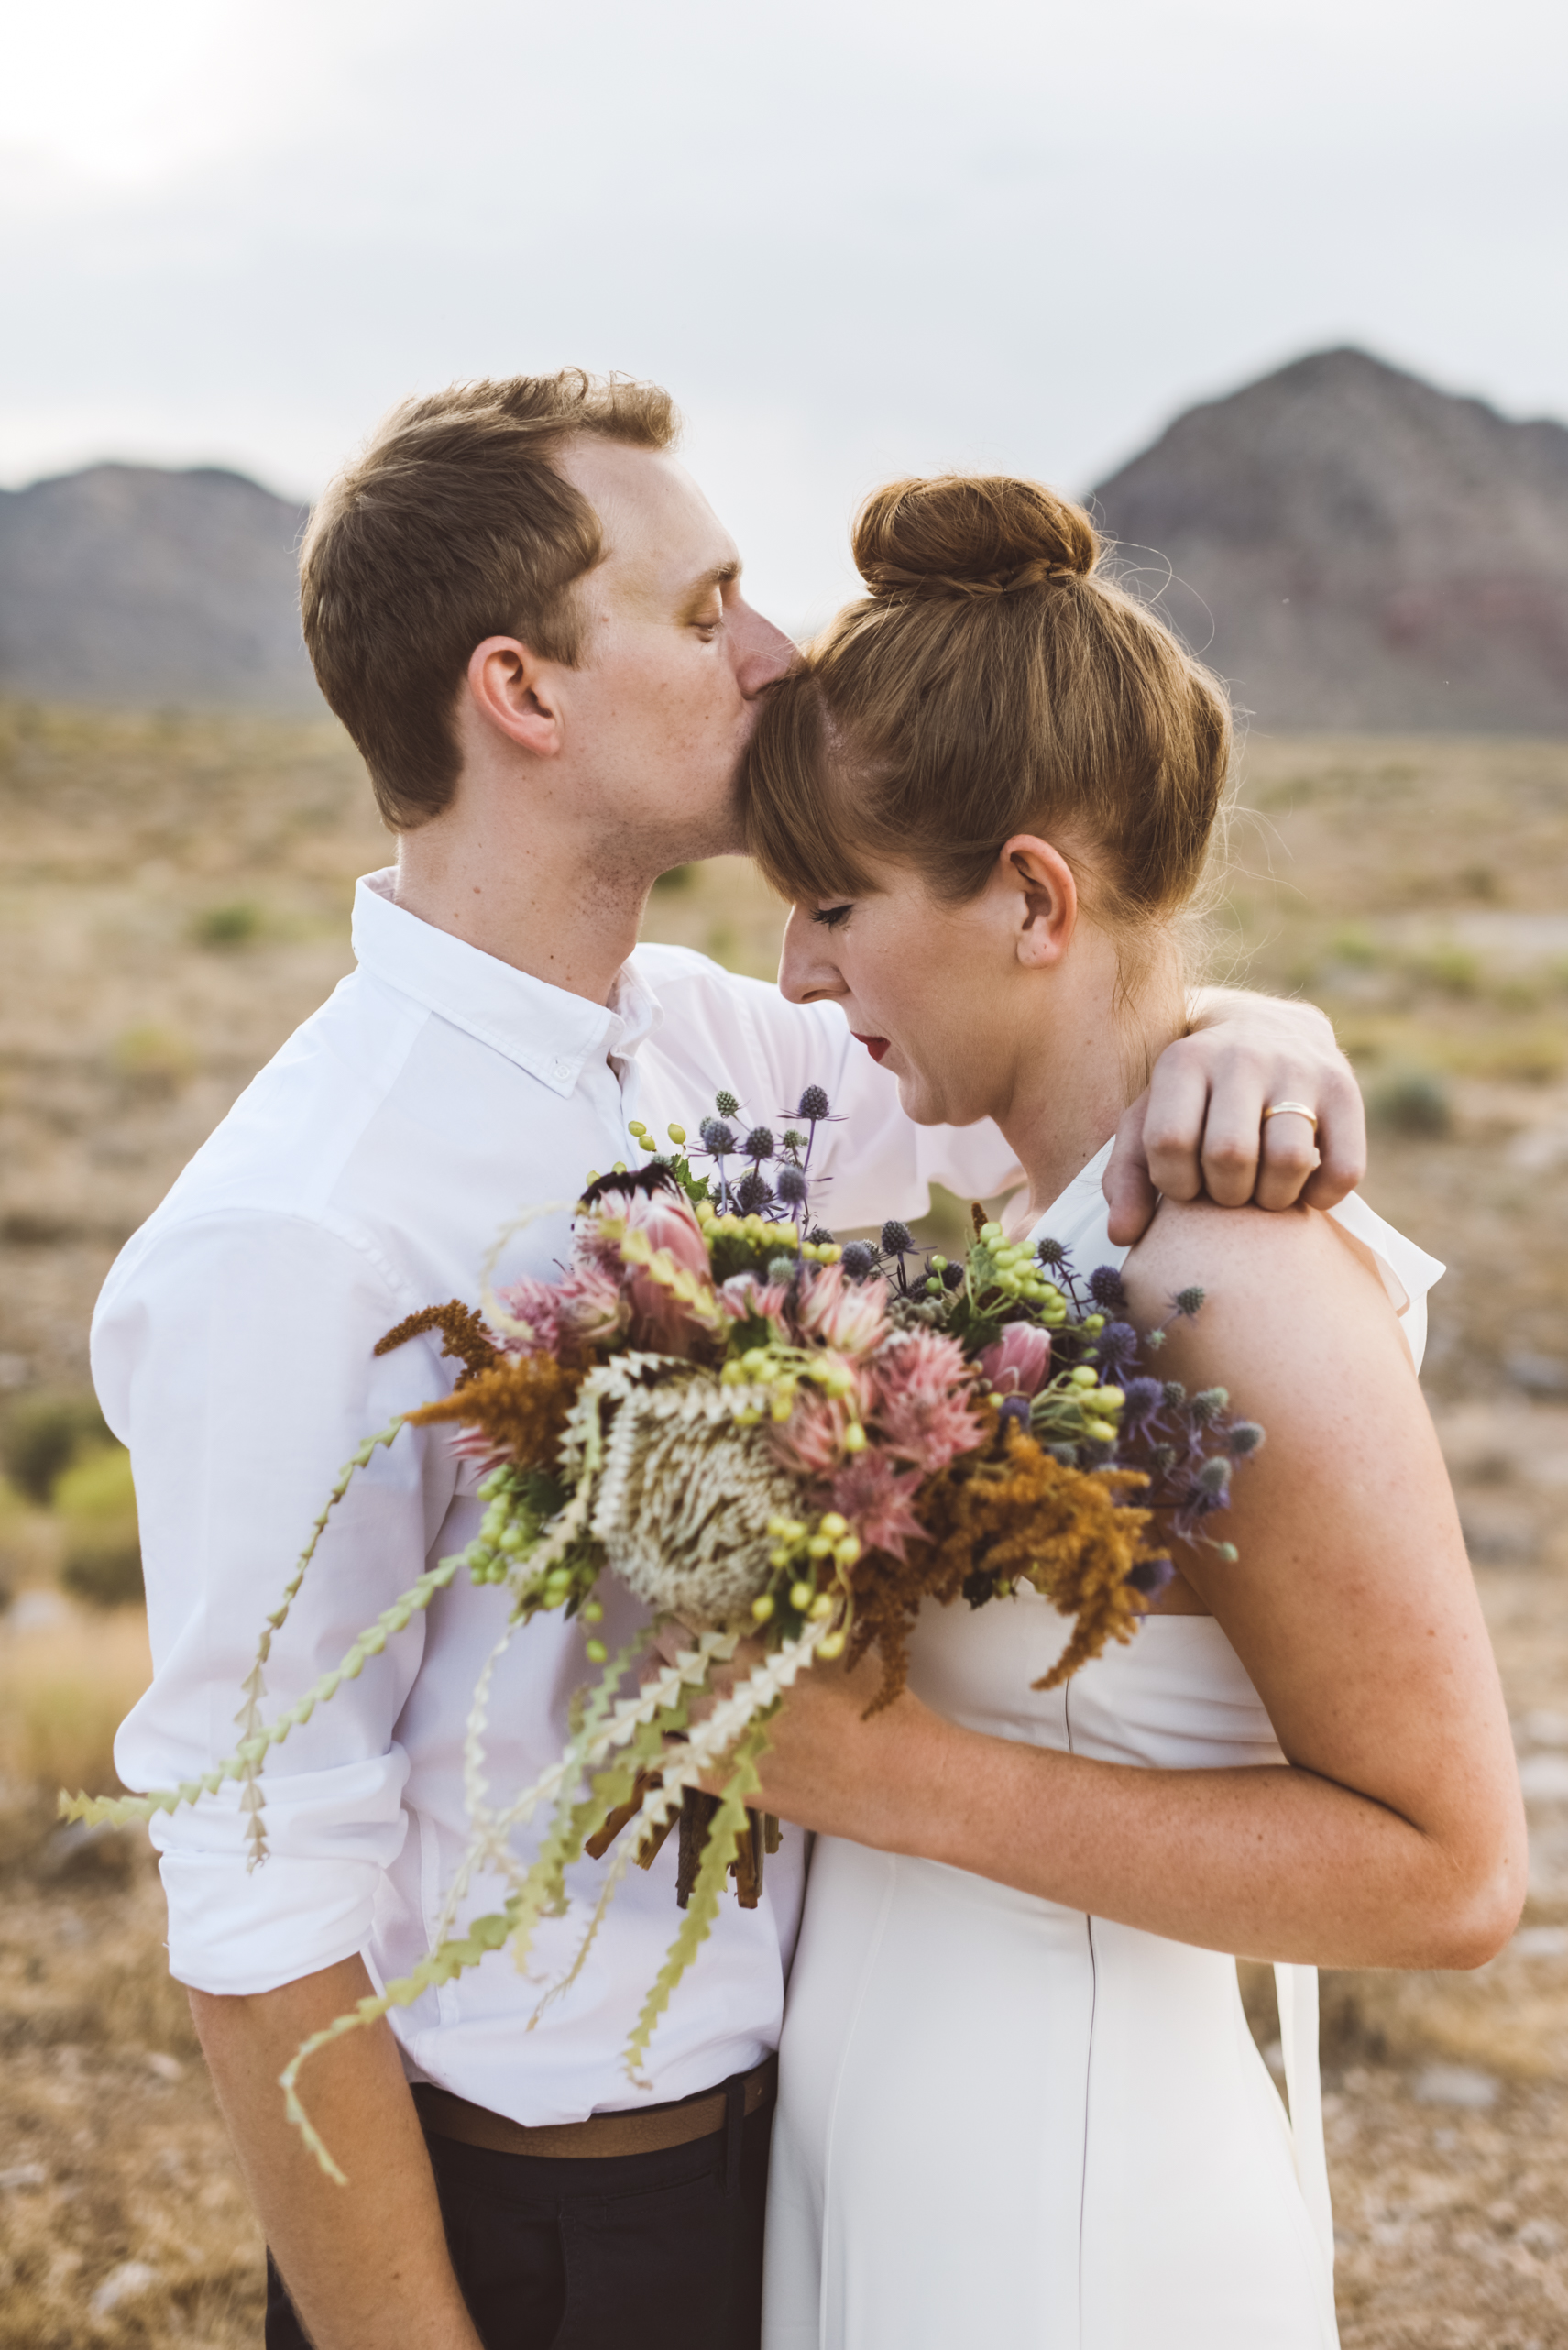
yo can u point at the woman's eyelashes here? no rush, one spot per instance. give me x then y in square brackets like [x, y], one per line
[830, 917]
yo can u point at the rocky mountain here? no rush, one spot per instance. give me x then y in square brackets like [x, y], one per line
[1349, 546]
[130, 585]
[1352, 548]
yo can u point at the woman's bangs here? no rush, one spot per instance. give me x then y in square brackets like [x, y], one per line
[796, 815]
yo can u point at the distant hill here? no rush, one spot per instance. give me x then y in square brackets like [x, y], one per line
[127, 584]
[1351, 548]
[1354, 549]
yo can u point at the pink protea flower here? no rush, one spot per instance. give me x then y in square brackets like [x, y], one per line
[537, 1304]
[659, 1321]
[927, 1363]
[848, 1315]
[811, 1441]
[875, 1498]
[593, 1304]
[743, 1295]
[929, 1430]
[662, 1215]
[1020, 1361]
[923, 1407]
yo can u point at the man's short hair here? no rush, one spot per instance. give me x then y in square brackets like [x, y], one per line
[455, 525]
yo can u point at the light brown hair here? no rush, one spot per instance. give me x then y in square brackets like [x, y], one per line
[994, 680]
[452, 526]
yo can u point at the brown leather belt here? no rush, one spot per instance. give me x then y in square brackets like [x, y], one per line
[643, 2129]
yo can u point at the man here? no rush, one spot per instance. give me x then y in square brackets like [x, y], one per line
[531, 625]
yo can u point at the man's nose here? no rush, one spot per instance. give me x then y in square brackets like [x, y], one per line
[807, 975]
[764, 653]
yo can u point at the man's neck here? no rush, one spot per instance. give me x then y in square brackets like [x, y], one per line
[540, 905]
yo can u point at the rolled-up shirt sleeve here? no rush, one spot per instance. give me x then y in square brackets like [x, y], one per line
[234, 1353]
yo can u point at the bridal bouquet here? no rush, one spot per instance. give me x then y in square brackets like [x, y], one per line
[782, 1446]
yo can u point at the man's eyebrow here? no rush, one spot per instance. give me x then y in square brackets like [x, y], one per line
[720, 576]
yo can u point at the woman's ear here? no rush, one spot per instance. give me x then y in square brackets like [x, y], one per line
[1045, 898]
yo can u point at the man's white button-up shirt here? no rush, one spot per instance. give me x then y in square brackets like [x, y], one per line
[364, 1174]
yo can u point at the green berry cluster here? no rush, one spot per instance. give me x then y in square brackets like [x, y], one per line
[1011, 1266]
[518, 1504]
[811, 1563]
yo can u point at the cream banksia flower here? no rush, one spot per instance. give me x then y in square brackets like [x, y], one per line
[684, 1497]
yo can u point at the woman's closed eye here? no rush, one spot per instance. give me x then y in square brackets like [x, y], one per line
[830, 917]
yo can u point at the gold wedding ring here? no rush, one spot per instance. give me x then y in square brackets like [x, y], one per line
[1295, 1110]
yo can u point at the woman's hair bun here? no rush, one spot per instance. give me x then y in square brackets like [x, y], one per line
[970, 535]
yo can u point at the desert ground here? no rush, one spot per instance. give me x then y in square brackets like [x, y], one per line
[175, 894]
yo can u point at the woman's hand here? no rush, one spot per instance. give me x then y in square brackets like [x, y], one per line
[828, 1766]
[1199, 1130]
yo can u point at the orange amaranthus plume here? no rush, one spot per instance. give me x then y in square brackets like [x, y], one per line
[1005, 1516]
[521, 1403]
[462, 1330]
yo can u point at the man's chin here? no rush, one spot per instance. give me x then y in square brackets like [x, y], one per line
[724, 835]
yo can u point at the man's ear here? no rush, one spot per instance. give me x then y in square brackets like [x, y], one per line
[514, 691]
[1046, 898]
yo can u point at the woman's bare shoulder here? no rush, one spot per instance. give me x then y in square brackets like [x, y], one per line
[1265, 1276]
[1250, 1239]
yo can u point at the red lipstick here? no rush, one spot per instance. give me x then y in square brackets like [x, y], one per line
[875, 1046]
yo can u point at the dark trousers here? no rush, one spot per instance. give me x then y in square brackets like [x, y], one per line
[624, 2252]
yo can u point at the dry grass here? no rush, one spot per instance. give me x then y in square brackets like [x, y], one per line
[123, 2221]
[65, 1687]
[173, 902]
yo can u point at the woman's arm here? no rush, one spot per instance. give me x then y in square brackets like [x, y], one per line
[1395, 1835]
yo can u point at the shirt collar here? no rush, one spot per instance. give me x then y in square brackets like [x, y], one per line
[550, 1033]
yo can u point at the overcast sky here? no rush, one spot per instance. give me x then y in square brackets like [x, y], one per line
[853, 236]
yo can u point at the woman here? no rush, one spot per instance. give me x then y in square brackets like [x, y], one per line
[1019, 2100]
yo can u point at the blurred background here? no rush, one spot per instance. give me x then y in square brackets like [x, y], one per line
[1280, 288]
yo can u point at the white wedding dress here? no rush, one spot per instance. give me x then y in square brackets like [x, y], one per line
[1004, 2123]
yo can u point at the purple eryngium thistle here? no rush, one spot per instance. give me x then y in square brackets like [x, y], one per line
[813, 1107]
[1107, 1289]
[1143, 1397]
[1118, 1342]
[791, 1187]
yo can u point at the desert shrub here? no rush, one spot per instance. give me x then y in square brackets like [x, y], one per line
[42, 1434]
[1411, 1101]
[234, 924]
[1448, 966]
[97, 1503]
[64, 1691]
[1356, 947]
[1536, 1058]
[154, 1061]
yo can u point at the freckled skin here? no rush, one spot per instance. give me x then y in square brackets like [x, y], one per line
[1394, 1836]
